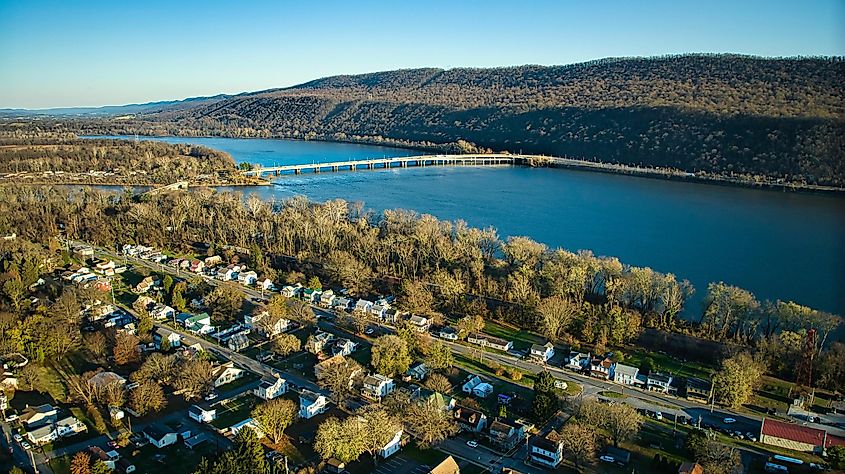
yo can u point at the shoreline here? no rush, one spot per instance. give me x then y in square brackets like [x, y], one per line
[564, 163]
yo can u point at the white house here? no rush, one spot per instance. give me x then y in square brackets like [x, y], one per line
[392, 446]
[248, 423]
[327, 298]
[578, 361]
[213, 260]
[108, 458]
[546, 450]
[489, 341]
[266, 285]
[160, 435]
[161, 312]
[311, 404]
[267, 330]
[378, 311]
[238, 342]
[448, 333]
[625, 374]
[291, 291]
[542, 353]
[247, 278]
[43, 434]
[344, 347]
[270, 388]
[69, 426]
[419, 323]
[202, 413]
[161, 334]
[658, 382]
[225, 373]
[418, 371]
[377, 386]
[39, 416]
[364, 306]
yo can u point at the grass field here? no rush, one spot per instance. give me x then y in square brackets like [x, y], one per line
[521, 339]
[234, 411]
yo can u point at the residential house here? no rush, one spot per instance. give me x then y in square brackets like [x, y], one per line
[327, 299]
[470, 383]
[448, 333]
[311, 404]
[109, 458]
[489, 341]
[418, 371]
[364, 306]
[658, 382]
[228, 273]
[620, 456]
[578, 361]
[342, 303]
[699, 389]
[625, 374]
[202, 413]
[377, 386]
[266, 284]
[505, 434]
[84, 250]
[601, 368]
[542, 353]
[42, 434]
[198, 324]
[391, 316]
[174, 339]
[69, 426]
[469, 419]
[226, 373]
[482, 390]
[213, 260]
[317, 343]
[419, 323]
[105, 266]
[292, 291]
[247, 278]
[195, 440]
[161, 312]
[311, 295]
[238, 342]
[196, 266]
[546, 450]
[160, 435]
[690, 468]
[378, 311]
[270, 388]
[104, 379]
[38, 416]
[445, 402]
[447, 466]
[344, 347]
[392, 446]
[146, 285]
[265, 328]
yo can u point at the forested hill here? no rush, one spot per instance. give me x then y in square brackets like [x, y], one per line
[721, 114]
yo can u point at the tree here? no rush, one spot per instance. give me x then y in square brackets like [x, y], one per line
[111, 393]
[195, 378]
[80, 387]
[349, 272]
[390, 355]
[579, 442]
[377, 427]
[736, 380]
[302, 313]
[439, 356]
[15, 290]
[145, 324]
[147, 397]
[167, 283]
[100, 467]
[416, 298]
[226, 301]
[157, 368]
[126, 349]
[469, 325]
[622, 422]
[430, 423]
[248, 453]
[545, 402]
[97, 344]
[716, 457]
[314, 283]
[177, 298]
[836, 457]
[438, 383]
[339, 439]
[338, 377]
[286, 344]
[556, 313]
[274, 416]
[80, 463]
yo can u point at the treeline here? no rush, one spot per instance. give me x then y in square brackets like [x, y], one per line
[722, 115]
[125, 162]
[437, 267]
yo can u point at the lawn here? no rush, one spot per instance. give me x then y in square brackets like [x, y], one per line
[665, 363]
[238, 383]
[234, 411]
[174, 458]
[521, 339]
[60, 465]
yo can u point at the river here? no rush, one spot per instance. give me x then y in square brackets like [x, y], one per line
[778, 245]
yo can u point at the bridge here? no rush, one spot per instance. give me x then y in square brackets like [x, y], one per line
[489, 159]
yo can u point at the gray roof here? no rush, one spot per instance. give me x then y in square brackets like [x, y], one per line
[626, 370]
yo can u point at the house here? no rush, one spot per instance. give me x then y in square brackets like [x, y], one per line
[377, 386]
[199, 324]
[447, 466]
[202, 413]
[247, 278]
[146, 285]
[291, 291]
[504, 434]
[578, 361]
[161, 334]
[161, 312]
[335, 466]
[316, 343]
[311, 404]
[418, 371]
[327, 299]
[38, 416]
[69, 426]
[470, 383]
[109, 458]
[265, 328]
[341, 303]
[797, 437]
[392, 446]
[690, 468]
[542, 353]
[445, 402]
[378, 311]
[344, 347]
[391, 316]
[84, 250]
[419, 323]
[620, 456]
[482, 390]
[42, 434]
[270, 388]
[227, 273]
[489, 341]
[658, 382]
[213, 260]
[625, 374]
[238, 342]
[311, 295]
[125, 466]
[105, 266]
[448, 333]
[196, 266]
[469, 419]
[546, 450]
[364, 306]
[160, 435]
[226, 373]
[601, 368]
[266, 284]
[698, 389]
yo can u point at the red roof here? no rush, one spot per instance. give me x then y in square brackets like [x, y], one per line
[833, 440]
[798, 433]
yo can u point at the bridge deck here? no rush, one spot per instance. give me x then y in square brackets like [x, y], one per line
[403, 161]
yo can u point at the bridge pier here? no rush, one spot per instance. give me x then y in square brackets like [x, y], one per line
[297, 171]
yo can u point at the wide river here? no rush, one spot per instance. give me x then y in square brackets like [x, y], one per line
[779, 245]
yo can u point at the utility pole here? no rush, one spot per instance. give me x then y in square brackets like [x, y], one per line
[712, 395]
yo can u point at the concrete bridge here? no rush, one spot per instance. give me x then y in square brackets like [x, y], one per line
[179, 185]
[398, 162]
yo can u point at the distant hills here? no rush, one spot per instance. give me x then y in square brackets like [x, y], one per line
[146, 108]
[720, 114]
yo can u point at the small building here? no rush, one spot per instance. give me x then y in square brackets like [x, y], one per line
[448, 333]
[601, 368]
[578, 361]
[312, 404]
[109, 458]
[542, 352]
[316, 343]
[161, 312]
[344, 347]
[482, 390]
[625, 374]
[160, 435]
[69, 426]
[311, 295]
[378, 311]
[162, 334]
[195, 440]
[226, 373]
[291, 291]
[198, 324]
[364, 306]
[213, 260]
[658, 382]
[238, 342]
[247, 278]
[341, 303]
[470, 383]
[546, 450]
[797, 437]
[419, 323]
[270, 388]
[377, 386]
[447, 466]
[620, 456]
[196, 266]
[42, 434]
[489, 341]
[392, 446]
[391, 316]
[469, 419]
[418, 371]
[504, 434]
[327, 298]
[690, 468]
[699, 389]
[202, 413]
[39, 416]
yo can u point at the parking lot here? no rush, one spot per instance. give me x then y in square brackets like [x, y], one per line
[400, 463]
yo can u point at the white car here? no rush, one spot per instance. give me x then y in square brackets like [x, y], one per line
[658, 416]
[728, 421]
[11, 417]
[26, 445]
[472, 444]
[17, 437]
[369, 331]
[210, 396]
[607, 458]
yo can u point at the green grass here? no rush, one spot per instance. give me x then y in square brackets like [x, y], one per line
[174, 458]
[665, 363]
[234, 411]
[430, 457]
[521, 339]
[607, 394]
[60, 465]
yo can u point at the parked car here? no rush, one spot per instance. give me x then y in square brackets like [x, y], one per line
[472, 444]
[607, 458]
[18, 437]
[750, 437]
[210, 396]
[26, 445]
[658, 416]
[113, 444]
[729, 420]
[11, 417]
[369, 331]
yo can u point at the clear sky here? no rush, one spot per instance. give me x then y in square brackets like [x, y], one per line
[68, 53]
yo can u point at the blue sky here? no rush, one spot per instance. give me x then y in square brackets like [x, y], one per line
[59, 53]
